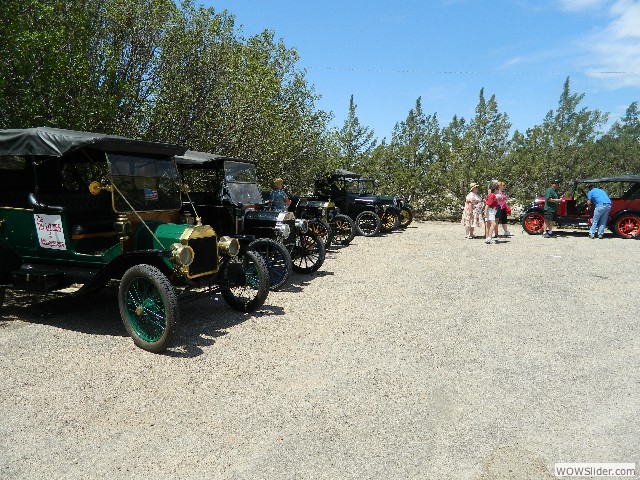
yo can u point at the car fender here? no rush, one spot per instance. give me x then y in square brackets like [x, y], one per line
[531, 209]
[392, 210]
[627, 211]
[119, 265]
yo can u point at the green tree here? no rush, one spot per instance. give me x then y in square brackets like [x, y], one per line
[355, 142]
[84, 65]
[618, 151]
[415, 150]
[561, 147]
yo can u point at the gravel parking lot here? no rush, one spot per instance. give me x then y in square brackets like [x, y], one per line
[419, 354]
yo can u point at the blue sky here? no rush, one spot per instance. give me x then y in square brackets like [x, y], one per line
[389, 53]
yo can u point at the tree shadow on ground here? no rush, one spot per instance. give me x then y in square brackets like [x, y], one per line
[98, 314]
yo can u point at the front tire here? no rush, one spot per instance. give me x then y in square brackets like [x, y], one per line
[344, 230]
[148, 307]
[244, 281]
[368, 223]
[533, 223]
[277, 259]
[307, 253]
[389, 222]
[627, 225]
[2, 295]
[406, 217]
[323, 230]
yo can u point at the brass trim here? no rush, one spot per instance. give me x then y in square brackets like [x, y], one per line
[200, 274]
[16, 208]
[195, 232]
[93, 235]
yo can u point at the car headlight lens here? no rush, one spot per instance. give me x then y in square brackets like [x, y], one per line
[228, 246]
[302, 225]
[182, 254]
[284, 229]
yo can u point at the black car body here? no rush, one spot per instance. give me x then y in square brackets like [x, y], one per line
[224, 191]
[371, 212]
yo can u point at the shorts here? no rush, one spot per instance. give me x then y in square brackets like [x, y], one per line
[501, 216]
[491, 214]
[549, 215]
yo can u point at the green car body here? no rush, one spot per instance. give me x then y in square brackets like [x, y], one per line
[79, 208]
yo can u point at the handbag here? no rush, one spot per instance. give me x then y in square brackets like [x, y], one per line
[508, 210]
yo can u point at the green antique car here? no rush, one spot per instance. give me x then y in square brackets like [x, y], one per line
[82, 209]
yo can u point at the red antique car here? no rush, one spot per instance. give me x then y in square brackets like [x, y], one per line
[624, 218]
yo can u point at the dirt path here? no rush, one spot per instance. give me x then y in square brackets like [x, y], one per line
[416, 355]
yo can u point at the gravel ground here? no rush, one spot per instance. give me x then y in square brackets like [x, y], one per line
[419, 354]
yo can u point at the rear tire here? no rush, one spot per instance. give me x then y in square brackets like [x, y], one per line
[2, 295]
[368, 223]
[277, 259]
[244, 281]
[344, 230]
[627, 225]
[148, 307]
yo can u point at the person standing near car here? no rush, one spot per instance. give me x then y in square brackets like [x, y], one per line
[279, 198]
[602, 207]
[503, 212]
[552, 201]
[490, 209]
[472, 213]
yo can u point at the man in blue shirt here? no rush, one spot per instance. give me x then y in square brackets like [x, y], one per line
[602, 203]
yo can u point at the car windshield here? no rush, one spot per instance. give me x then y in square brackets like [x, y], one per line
[242, 183]
[148, 184]
[351, 185]
[240, 172]
[367, 186]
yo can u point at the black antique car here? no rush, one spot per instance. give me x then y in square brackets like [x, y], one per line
[324, 219]
[224, 191]
[372, 213]
[82, 209]
[624, 217]
[367, 186]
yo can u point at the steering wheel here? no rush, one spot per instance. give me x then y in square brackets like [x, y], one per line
[582, 207]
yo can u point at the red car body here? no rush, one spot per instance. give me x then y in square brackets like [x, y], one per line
[624, 217]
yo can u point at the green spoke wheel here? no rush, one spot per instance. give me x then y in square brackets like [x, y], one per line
[244, 282]
[148, 307]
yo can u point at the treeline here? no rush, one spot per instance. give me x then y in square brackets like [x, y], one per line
[182, 73]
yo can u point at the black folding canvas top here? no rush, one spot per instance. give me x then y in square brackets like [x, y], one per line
[56, 142]
[194, 159]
